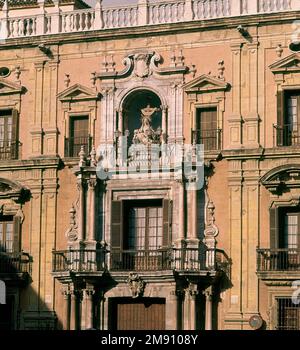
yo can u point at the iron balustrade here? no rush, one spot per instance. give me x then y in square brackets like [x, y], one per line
[286, 135]
[210, 139]
[140, 260]
[15, 262]
[79, 260]
[179, 259]
[73, 146]
[9, 150]
[278, 260]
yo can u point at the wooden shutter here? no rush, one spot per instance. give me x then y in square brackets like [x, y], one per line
[116, 225]
[274, 228]
[15, 134]
[280, 109]
[17, 233]
[166, 222]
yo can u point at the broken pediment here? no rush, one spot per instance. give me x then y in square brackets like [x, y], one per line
[11, 190]
[206, 83]
[78, 92]
[8, 88]
[285, 176]
[290, 63]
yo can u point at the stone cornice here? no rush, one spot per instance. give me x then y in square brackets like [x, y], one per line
[37, 163]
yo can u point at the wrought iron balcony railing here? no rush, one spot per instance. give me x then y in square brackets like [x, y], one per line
[15, 263]
[9, 149]
[73, 146]
[211, 139]
[179, 259]
[79, 260]
[286, 135]
[278, 260]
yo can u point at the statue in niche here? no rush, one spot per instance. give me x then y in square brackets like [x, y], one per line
[146, 135]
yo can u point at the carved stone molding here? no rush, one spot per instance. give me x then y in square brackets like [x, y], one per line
[11, 190]
[136, 285]
[282, 177]
[143, 64]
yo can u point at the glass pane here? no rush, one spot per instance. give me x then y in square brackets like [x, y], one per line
[291, 231]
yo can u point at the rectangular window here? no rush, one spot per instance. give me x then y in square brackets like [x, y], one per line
[288, 315]
[8, 136]
[289, 228]
[6, 234]
[79, 136]
[287, 128]
[145, 226]
[207, 132]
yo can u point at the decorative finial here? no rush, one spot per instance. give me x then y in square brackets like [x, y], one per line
[93, 157]
[82, 157]
[67, 80]
[279, 50]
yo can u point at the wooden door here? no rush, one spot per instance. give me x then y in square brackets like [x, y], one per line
[139, 314]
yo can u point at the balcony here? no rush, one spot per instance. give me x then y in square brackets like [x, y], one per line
[278, 264]
[286, 135]
[78, 261]
[15, 266]
[73, 146]
[59, 21]
[9, 150]
[211, 139]
[181, 260]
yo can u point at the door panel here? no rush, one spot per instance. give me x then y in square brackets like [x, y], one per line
[141, 314]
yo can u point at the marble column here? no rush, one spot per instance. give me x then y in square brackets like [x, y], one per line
[81, 226]
[208, 308]
[92, 183]
[181, 211]
[172, 311]
[89, 307]
[66, 309]
[74, 310]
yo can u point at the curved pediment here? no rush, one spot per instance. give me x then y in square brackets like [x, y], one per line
[206, 83]
[78, 92]
[287, 176]
[11, 189]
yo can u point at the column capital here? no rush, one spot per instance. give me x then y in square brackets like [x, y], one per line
[208, 293]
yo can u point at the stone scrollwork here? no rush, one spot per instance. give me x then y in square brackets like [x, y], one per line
[136, 284]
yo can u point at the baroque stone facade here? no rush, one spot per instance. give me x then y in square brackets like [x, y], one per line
[78, 85]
